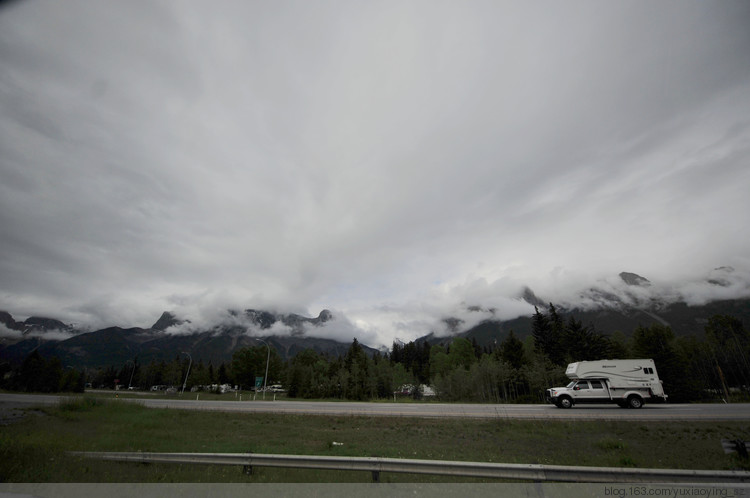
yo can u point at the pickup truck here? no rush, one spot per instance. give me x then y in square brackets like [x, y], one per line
[628, 383]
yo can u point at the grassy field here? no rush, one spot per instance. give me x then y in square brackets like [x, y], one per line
[33, 450]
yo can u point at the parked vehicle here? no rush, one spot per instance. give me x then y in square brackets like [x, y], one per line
[628, 383]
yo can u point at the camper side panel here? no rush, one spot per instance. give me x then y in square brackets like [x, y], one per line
[621, 373]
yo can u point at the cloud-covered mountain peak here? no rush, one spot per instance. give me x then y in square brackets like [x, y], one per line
[634, 279]
[721, 276]
[43, 324]
[166, 320]
[528, 295]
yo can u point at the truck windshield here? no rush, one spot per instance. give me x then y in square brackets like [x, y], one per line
[570, 386]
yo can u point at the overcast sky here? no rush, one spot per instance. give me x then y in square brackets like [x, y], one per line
[393, 161]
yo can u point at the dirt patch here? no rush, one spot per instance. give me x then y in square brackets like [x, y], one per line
[15, 412]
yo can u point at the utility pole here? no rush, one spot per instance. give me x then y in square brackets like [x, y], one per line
[188, 371]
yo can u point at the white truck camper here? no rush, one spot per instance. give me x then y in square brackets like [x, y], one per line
[628, 383]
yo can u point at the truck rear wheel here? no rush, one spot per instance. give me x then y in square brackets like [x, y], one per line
[565, 402]
[635, 401]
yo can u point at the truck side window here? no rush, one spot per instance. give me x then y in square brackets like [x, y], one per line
[595, 384]
[582, 384]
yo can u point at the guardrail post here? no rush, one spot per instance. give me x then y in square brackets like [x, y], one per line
[248, 470]
[742, 448]
[735, 446]
[375, 476]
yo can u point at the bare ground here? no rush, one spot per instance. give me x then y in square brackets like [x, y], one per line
[15, 412]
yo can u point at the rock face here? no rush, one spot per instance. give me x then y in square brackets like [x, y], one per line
[531, 298]
[265, 320]
[7, 320]
[35, 324]
[165, 321]
[634, 279]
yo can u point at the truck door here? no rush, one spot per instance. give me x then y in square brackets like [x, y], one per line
[598, 390]
[581, 390]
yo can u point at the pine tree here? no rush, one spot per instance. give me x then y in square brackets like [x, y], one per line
[657, 342]
[547, 333]
[583, 342]
[511, 351]
[730, 345]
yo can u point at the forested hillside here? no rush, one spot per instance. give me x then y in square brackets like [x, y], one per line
[714, 366]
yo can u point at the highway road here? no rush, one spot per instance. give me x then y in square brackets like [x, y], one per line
[655, 412]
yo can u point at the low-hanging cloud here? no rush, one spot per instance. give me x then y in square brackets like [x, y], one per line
[338, 327]
[7, 333]
[51, 334]
[718, 284]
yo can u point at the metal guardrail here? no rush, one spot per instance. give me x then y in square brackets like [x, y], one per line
[524, 472]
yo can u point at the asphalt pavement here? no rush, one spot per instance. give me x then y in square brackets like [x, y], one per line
[656, 412]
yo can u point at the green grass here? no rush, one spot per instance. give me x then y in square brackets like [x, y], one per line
[34, 450]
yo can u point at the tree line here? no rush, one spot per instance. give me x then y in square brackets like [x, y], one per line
[43, 375]
[512, 371]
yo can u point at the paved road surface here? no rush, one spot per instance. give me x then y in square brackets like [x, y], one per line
[664, 412]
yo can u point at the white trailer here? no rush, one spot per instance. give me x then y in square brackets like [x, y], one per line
[628, 383]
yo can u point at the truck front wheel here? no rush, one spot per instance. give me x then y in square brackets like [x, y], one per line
[635, 401]
[565, 402]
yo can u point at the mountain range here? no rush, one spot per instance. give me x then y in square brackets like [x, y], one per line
[164, 339]
[629, 303]
[684, 320]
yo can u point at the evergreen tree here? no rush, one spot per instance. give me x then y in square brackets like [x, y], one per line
[582, 343]
[383, 379]
[397, 353]
[71, 381]
[357, 382]
[729, 344]
[701, 367]
[547, 333]
[410, 356]
[477, 348]
[211, 374]
[222, 376]
[557, 341]
[619, 347]
[511, 351]
[461, 353]
[541, 331]
[250, 362]
[173, 375]
[38, 374]
[423, 370]
[439, 361]
[301, 377]
[657, 342]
